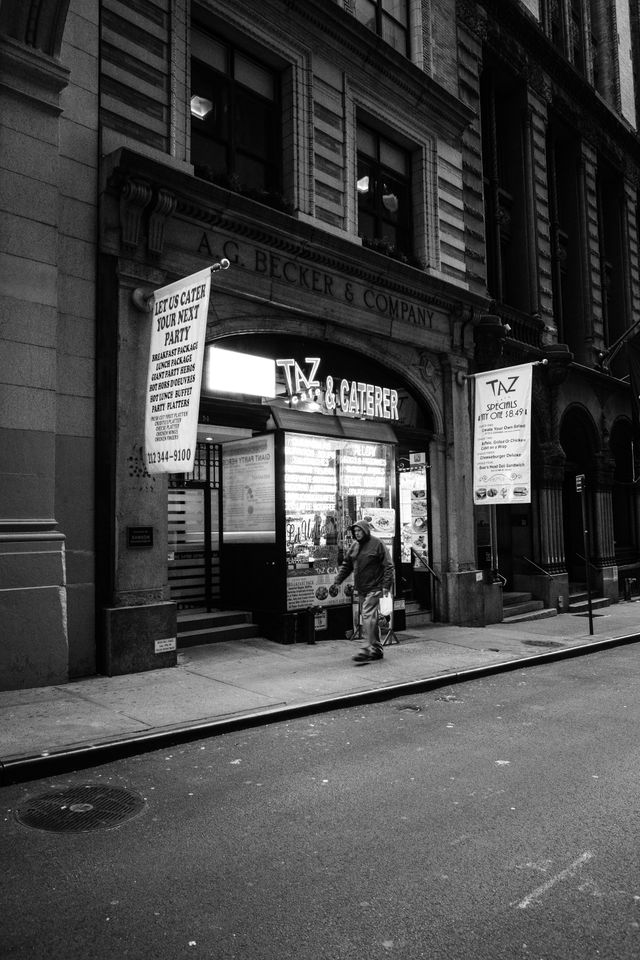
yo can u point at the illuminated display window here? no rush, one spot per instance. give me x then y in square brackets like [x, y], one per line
[329, 483]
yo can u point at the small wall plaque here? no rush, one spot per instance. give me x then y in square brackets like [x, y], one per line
[139, 537]
[166, 645]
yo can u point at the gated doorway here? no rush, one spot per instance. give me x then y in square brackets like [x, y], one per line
[194, 532]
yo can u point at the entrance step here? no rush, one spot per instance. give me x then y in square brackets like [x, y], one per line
[415, 615]
[579, 602]
[214, 627]
[518, 607]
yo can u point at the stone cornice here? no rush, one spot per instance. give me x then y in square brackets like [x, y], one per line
[136, 183]
[27, 72]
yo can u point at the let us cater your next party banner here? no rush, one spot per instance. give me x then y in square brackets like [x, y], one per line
[174, 375]
[502, 436]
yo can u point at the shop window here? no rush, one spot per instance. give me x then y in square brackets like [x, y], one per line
[389, 19]
[384, 193]
[235, 118]
[329, 484]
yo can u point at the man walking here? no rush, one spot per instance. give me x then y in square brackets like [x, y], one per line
[369, 560]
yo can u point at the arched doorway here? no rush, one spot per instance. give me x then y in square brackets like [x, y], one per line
[579, 441]
[327, 467]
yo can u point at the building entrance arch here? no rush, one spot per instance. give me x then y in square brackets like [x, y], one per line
[347, 438]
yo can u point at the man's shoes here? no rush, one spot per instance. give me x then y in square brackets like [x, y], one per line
[366, 656]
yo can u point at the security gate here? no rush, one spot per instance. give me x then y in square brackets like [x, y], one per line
[194, 532]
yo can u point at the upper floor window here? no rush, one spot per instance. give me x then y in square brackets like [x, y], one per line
[235, 116]
[384, 191]
[388, 18]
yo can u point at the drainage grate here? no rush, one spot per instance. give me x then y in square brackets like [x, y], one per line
[543, 643]
[81, 808]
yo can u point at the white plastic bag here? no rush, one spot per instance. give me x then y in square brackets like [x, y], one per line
[386, 605]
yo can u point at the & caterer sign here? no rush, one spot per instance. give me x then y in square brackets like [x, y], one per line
[349, 397]
[179, 323]
[502, 436]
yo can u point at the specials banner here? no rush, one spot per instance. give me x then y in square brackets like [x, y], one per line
[502, 436]
[175, 371]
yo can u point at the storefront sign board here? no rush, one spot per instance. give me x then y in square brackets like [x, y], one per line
[502, 436]
[176, 355]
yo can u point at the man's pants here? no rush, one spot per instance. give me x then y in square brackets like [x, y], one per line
[370, 626]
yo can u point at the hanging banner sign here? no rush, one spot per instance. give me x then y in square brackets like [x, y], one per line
[502, 436]
[175, 371]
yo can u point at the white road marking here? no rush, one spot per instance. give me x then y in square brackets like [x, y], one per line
[570, 871]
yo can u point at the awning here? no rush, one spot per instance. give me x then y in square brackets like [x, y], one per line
[372, 431]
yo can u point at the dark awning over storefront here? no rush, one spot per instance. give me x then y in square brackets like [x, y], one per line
[346, 428]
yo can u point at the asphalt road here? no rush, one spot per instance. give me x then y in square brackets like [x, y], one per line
[493, 819]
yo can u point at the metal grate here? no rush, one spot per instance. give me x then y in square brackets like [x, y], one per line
[80, 808]
[543, 643]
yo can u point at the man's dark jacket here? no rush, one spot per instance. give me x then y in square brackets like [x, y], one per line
[370, 562]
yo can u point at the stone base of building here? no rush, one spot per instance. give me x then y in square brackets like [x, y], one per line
[472, 601]
[33, 610]
[553, 590]
[139, 638]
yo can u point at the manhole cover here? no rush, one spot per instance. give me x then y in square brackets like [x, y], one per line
[593, 614]
[543, 643]
[81, 808]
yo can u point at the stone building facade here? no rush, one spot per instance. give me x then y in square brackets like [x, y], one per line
[404, 198]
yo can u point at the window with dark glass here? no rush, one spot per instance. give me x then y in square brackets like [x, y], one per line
[235, 116]
[503, 104]
[610, 192]
[384, 191]
[388, 18]
[563, 164]
[577, 35]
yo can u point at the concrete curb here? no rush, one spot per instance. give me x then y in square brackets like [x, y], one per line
[20, 769]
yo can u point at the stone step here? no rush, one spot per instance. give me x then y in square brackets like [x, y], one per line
[519, 609]
[582, 605]
[542, 614]
[511, 598]
[198, 619]
[231, 631]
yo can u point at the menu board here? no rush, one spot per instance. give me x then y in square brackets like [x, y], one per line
[305, 589]
[414, 516]
[249, 513]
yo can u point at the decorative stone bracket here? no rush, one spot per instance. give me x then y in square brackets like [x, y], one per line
[137, 197]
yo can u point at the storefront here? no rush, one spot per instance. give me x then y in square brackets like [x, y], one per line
[263, 522]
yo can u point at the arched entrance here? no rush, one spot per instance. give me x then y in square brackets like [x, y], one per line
[369, 459]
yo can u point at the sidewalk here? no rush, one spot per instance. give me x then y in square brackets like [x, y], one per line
[225, 686]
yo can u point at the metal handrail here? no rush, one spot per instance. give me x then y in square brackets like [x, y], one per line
[424, 563]
[534, 564]
[591, 564]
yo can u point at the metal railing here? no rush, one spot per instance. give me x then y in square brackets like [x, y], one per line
[424, 563]
[533, 564]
